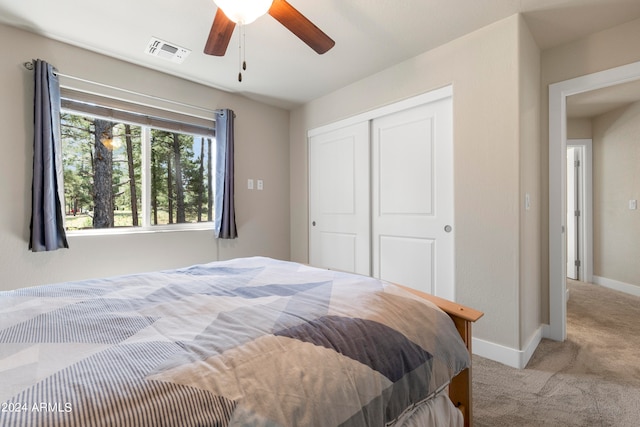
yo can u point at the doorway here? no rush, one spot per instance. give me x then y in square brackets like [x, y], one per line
[558, 93]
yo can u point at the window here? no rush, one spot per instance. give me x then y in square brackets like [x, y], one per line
[127, 169]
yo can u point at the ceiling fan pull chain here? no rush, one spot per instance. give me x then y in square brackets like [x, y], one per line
[244, 49]
[240, 38]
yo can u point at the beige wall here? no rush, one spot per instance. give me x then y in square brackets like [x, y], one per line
[484, 69]
[579, 129]
[616, 180]
[529, 162]
[262, 151]
[600, 51]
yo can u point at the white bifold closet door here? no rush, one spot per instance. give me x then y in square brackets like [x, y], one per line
[381, 195]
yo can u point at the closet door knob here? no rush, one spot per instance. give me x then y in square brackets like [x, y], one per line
[448, 228]
[313, 223]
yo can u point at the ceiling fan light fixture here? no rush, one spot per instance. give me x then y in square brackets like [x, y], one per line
[244, 12]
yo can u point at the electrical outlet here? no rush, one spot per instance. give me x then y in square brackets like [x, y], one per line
[250, 184]
[633, 204]
[260, 184]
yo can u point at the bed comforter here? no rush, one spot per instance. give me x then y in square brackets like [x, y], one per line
[247, 342]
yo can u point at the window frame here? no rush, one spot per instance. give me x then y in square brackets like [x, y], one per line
[147, 118]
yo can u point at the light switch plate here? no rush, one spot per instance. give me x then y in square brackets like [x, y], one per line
[633, 204]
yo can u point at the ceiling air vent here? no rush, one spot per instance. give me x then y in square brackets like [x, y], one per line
[168, 51]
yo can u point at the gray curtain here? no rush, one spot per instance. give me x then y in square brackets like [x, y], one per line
[47, 191]
[225, 215]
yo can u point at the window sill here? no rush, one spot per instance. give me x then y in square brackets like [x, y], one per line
[141, 230]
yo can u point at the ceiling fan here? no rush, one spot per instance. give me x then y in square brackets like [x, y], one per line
[229, 14]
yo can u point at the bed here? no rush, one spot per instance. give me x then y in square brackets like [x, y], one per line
[245, 342]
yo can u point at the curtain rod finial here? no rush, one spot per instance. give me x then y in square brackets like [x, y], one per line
[28, 65]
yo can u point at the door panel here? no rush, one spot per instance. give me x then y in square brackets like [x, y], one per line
[407, 260]
[572, 229]
[338, 250]
[403, 152]
[412, 195]
[339, 232]
[579, 244]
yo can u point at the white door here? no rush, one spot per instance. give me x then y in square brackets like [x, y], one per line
[339, 187]
[412, 198]
[579, 234]
[572, 213]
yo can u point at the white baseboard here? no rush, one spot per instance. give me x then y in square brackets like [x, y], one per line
[616, 285]
[519, 358]
[507, 355]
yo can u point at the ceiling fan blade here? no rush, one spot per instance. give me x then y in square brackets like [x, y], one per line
[306, 30]
[220, 34]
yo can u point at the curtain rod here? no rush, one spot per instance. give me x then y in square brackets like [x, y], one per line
[29, 66]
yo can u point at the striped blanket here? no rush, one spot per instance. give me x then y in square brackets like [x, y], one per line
[246, 342]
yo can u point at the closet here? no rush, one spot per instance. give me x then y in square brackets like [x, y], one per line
[381, 194]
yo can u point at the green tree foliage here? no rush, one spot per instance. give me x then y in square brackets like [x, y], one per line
[78, 163]
[103, 174]
[133, 168]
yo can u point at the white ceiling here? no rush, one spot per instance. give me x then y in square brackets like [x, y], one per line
[370, 35]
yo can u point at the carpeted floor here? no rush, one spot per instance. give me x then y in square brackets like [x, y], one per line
[591, 379]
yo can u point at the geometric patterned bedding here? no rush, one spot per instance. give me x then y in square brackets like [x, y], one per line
[245, 342]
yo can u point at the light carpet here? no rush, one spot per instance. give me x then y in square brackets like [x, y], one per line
[591, 379]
